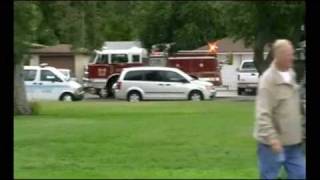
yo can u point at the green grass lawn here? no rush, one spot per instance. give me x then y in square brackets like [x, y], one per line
[211, 139]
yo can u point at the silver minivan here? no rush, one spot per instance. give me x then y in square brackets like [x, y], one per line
[161, 83]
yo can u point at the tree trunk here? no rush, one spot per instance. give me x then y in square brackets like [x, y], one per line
[21, 105]
[258, 55]
[259, 61]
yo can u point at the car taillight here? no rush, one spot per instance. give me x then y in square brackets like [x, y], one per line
[118, 85]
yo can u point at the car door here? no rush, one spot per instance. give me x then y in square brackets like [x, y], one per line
[153, 85]
[50, 85]
[175, 86]
[30, 81]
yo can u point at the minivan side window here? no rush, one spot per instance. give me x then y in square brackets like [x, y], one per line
[134, 76]
[153, 76]
[29, 75]
[170, 76]
[46, 74]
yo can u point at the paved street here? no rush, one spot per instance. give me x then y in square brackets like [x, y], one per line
[221, 94]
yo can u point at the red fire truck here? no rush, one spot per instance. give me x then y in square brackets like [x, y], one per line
[104, 69]
[200, 64]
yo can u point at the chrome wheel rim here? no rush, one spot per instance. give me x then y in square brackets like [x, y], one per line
[67, 98]
[134, 98]
[196, 97]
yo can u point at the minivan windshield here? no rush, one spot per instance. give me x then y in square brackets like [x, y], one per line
[187, 76]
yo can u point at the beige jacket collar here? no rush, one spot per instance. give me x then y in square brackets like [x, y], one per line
[277, 77]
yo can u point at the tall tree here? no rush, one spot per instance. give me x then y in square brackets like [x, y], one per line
[260, 23]
[26, 21]
[197, 23]
[188, 24]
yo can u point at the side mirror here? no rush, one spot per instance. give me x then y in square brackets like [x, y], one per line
[237, 69]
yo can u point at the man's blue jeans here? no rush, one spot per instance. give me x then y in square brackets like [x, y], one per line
[292, 159]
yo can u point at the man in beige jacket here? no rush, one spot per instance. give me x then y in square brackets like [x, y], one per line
[278, 126]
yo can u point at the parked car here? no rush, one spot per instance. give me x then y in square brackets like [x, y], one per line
[48, 83]
[248, 77]
[145, 83]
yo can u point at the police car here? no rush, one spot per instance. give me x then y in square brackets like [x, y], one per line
[48, 83]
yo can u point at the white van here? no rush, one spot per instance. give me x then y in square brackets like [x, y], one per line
[144, 83]
[48, 83]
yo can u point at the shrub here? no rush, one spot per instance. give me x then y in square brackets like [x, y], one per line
[35, 107]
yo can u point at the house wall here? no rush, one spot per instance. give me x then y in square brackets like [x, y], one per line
[81, 61]
[34, 60]
[59, 61]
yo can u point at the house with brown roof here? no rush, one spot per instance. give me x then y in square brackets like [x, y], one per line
[231, 53]
[60, 56]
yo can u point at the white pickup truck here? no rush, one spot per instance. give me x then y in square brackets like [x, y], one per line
[248, 77]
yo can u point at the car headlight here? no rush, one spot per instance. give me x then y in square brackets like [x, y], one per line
[209, 88]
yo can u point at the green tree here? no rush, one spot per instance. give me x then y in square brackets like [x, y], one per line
[260, 23]
[197, 23]
[26, 22]
[188, 24]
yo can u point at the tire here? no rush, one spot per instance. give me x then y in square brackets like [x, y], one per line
[99, 93]
[240, 91]
[109, 85]
[195, 96]
[134, 96]
[66, 97]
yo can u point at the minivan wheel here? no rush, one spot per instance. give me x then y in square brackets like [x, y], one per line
[195, 96]
[134, 96]
[66, 97]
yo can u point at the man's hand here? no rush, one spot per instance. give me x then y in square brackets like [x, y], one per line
[276, 145]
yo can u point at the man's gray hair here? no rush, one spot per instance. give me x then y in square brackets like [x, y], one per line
[279, 44]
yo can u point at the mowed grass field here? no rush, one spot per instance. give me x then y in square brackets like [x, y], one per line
[210, 139]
